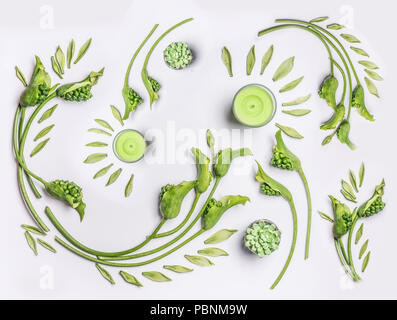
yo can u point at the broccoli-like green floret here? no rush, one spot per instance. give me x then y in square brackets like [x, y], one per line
[281, 161]
[269, 191]
[79, 94]
[134, 97]
[262, 238]
[377, 206]
[155, 84]
[178, 55]
[43, 93]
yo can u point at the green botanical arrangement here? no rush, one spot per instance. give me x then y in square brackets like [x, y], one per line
[354, 93]
[345, 220]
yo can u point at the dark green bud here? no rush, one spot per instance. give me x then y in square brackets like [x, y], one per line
[358, 102]
[224, 160]
[172, 196]
[342, 218]
[328, 90]
[343, 134]
[204, 175]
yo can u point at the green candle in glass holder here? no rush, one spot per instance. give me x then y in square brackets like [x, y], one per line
[129, 145]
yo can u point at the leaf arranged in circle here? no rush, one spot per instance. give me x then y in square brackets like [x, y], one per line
[212, 252]
[360, 51]
[319, 19]
[56, 68]
[363, 249]
[33, 229]
[97, 144]
[117, 115]
[95, 157]
[348, 196]
[46, 245]
[284, 69]
[374, 75]
[326, 217]
[83, 50]
[31, 242]
[220, 236]
[70, 53]
[250, 60]
[348, 188]
[227, 60]
[359, 234]
[105, 273]
[266, 58]
[297, 112]
[297, 101]
[60, 59]
[335, 26]
[361, 174]
[371, 87]
[353, 180]
[99, 131]
[177, 268]
[114, 176]
[292, 85]
[199, 261]
[368, 64]
[365, 262]
[289, 131]
[20, 76]
[350, 38]
[47, 114]
[129, 186]
[43, 132]
[104, 124]
[40, 146]
[156, 276]
[129, 278]
[103, 171]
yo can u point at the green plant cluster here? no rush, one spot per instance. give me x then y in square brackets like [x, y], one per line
[269, 191]
[79, 94]
[178, 55]
[262, 238]
[377, 206]
[281, 161]
[155, 84]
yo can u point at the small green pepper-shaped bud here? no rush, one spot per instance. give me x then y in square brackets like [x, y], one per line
[343, 134]
[68, 192]
[358, 102]
[224, 159]
[172, 196]
[204, 175]
[328, 90]
[336, 118]
[343, 218]
[215, 209]
[375, 204]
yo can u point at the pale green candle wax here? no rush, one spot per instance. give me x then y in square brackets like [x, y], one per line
[129, 145]
[254, 105]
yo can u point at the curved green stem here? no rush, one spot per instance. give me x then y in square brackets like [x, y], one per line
[182, 224]
[309, 211]
[341, 258]
[342, 248]
[344, 82]
[349, 248]
[127, 265]
[291, 252]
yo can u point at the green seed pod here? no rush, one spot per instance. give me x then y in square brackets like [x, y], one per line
[328, 90]
[155, 84]
[336, 118]
[132, 100]
[282, 157]
[171, 198]
[225, 157]
[68, 192]
[343, 218]
[343, 134]
[204, 175]
[215, 209]
[178, 55]
[262, 238]
[358, 102]
[269, 191]
[375, 204]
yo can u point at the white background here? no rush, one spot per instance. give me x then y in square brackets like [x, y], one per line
[197, 98]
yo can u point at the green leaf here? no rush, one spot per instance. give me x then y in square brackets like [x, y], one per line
[266, 58]
[70, 53]
[114, 176]
[365, 262]
[117, 115]
[212, 252]
[350, 38]
[373, 75]
[290, 131]
[327, 140]
[31, 242]
[177, 268]
[284, 69]
[348, 196]
[156, 276]
[348, 188]
[83, 50]
[360, 51]
[105, 273]
[43, 132]
[359, 234]
[361, 174]
[227, 60]
[33, 229]
[104, 124]
[60, 59]
[129, 186]
[335, 26]
[129, 278]
[46, 245]
[291, 85]
[319, 19]
[20, 76]
[297, 101]
[99, 131]
[56, 68]
[95, 157]
[250, 60]
[96, 144]
[103, 171]
[39, 147]
[220, 236]
[47, 114]
[325, 217]
[353, 180]
[210, 139]
[363, 249]
[199, 261]
[368, 64]
[371, 87]
[297, 112]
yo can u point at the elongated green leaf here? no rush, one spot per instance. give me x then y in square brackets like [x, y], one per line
[104, 124]
[31, 242]
[156, 276]
[353, 180]
[114, 176]
[368, 64]
[46, 245]
[97, 144]
[335, 26]
[95, 157]
[350, 38]
[129, 278]
[363, 249]
[177, 268]
[371, 87]
[266, 58]
[361, 174]
[327, 140]
[297, 112]
[117, 115]
[20, 76]
[325, 217]
[83, 50]
[220, 236]
[359, 234]
[348, 188]
[348, 196]
[103, 171]
[292, 85]
[99, 131]
[199, 261]
[40, 146]
[373, 75]
[210, 139]
[70, 52]
[284, 69]
[290, 131]
[360, 51]
[60, 59]
[319, 19]
[365, 262]
[105, 273]
[212, 252]
[33, 229]
[227, 60]
[47, 114]
[43, 132]
[297, 101]
[250, 60]
[129, 186]
[56, 68]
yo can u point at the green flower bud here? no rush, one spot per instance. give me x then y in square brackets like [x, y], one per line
[155, 84]
[224, 159]
[358, 102]
[282, 157]
[375, 204]
[336, 118]
[204, 175]
[178, 55]
[343, 218]
[215, 209]
[328, 90]
[172, 196]
[131, 100]
[343, 134]
[262, 238]
[269, 191]
[68, 192]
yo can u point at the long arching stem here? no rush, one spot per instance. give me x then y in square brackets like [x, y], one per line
[309, 211]
[341, 258]
[349, 247]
